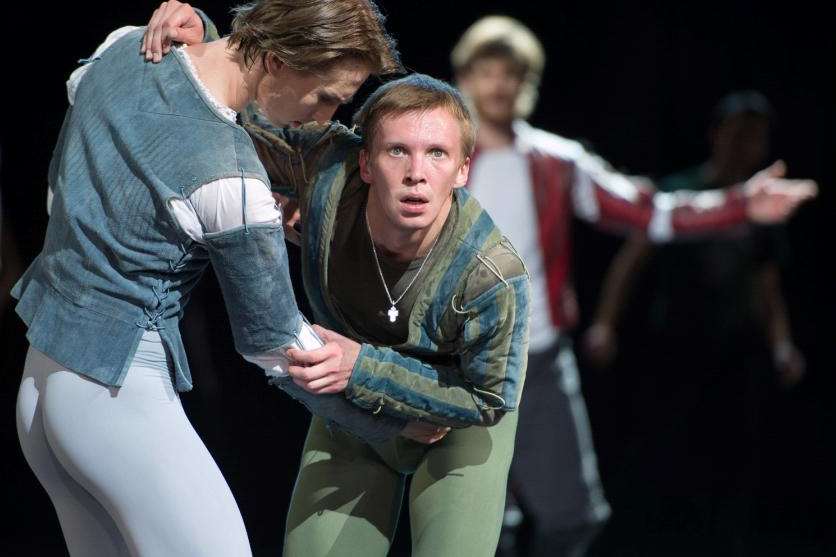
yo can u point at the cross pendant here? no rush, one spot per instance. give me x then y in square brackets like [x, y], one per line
[393, 314]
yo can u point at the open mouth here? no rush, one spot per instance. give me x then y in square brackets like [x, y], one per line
[414, 200]
[414, 203]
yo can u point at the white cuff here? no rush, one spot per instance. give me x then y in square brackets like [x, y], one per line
[275, 362]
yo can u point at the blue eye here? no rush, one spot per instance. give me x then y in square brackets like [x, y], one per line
[396, 150]
[436, 153]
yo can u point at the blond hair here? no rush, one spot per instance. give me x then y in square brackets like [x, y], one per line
[310, 35]
[415, 93]
[502, 36]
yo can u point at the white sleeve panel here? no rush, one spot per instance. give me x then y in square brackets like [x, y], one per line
[219, 206]
[275, 362]
[583, 198]
[75, 77]
[660, 228]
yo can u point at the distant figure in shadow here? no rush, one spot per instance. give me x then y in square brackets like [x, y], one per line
[714, 317]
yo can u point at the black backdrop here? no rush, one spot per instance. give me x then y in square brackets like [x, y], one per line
[635, 80]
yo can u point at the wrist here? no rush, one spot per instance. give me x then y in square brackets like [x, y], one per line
[739, 201]
[358, 376]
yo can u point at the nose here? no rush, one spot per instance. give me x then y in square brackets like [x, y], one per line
[415, 170]
[324, 113]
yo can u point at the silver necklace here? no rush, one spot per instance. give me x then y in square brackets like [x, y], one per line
[393, 311]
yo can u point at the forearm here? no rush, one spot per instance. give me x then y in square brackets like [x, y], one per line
[666, 216]
[483, 380]
[778, 327]
[386, 381]
[472, 377]
[251, 266]
[617, 202]
[687, 213]
[336, 408]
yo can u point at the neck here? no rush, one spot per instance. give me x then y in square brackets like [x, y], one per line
[403, 245]
[495, 135]
[224, 73]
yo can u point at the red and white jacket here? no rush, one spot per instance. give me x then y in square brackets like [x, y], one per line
[568, 179]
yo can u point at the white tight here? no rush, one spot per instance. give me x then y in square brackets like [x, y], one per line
[124, 468]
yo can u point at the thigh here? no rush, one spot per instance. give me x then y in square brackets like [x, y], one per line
[346, 500]
[554, 475]
[134, 450]
[457, 494]
[87, 527]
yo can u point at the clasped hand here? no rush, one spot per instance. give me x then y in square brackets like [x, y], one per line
[172, 22]
[327, 370]
[324, 370]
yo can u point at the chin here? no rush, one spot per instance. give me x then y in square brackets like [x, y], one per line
[413, 223]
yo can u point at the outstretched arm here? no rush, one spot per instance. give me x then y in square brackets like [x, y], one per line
[612, 200]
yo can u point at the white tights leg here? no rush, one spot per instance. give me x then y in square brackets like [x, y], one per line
[126, 471]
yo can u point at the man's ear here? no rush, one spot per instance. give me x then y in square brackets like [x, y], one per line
[365, 171]
[462, 174]
[272, 64]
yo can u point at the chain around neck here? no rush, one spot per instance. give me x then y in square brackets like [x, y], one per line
[377, 261]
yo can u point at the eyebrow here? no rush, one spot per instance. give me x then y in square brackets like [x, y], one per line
[390, 144]
[428, 147]
[334, 97]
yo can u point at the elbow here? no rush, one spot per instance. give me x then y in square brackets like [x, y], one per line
[491, 406]
[479, 418]
[492, 417]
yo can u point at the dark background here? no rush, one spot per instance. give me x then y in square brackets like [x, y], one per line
[636, 81]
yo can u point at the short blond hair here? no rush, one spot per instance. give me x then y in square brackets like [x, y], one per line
[415, 93]
[502, 36]
[311, 35]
